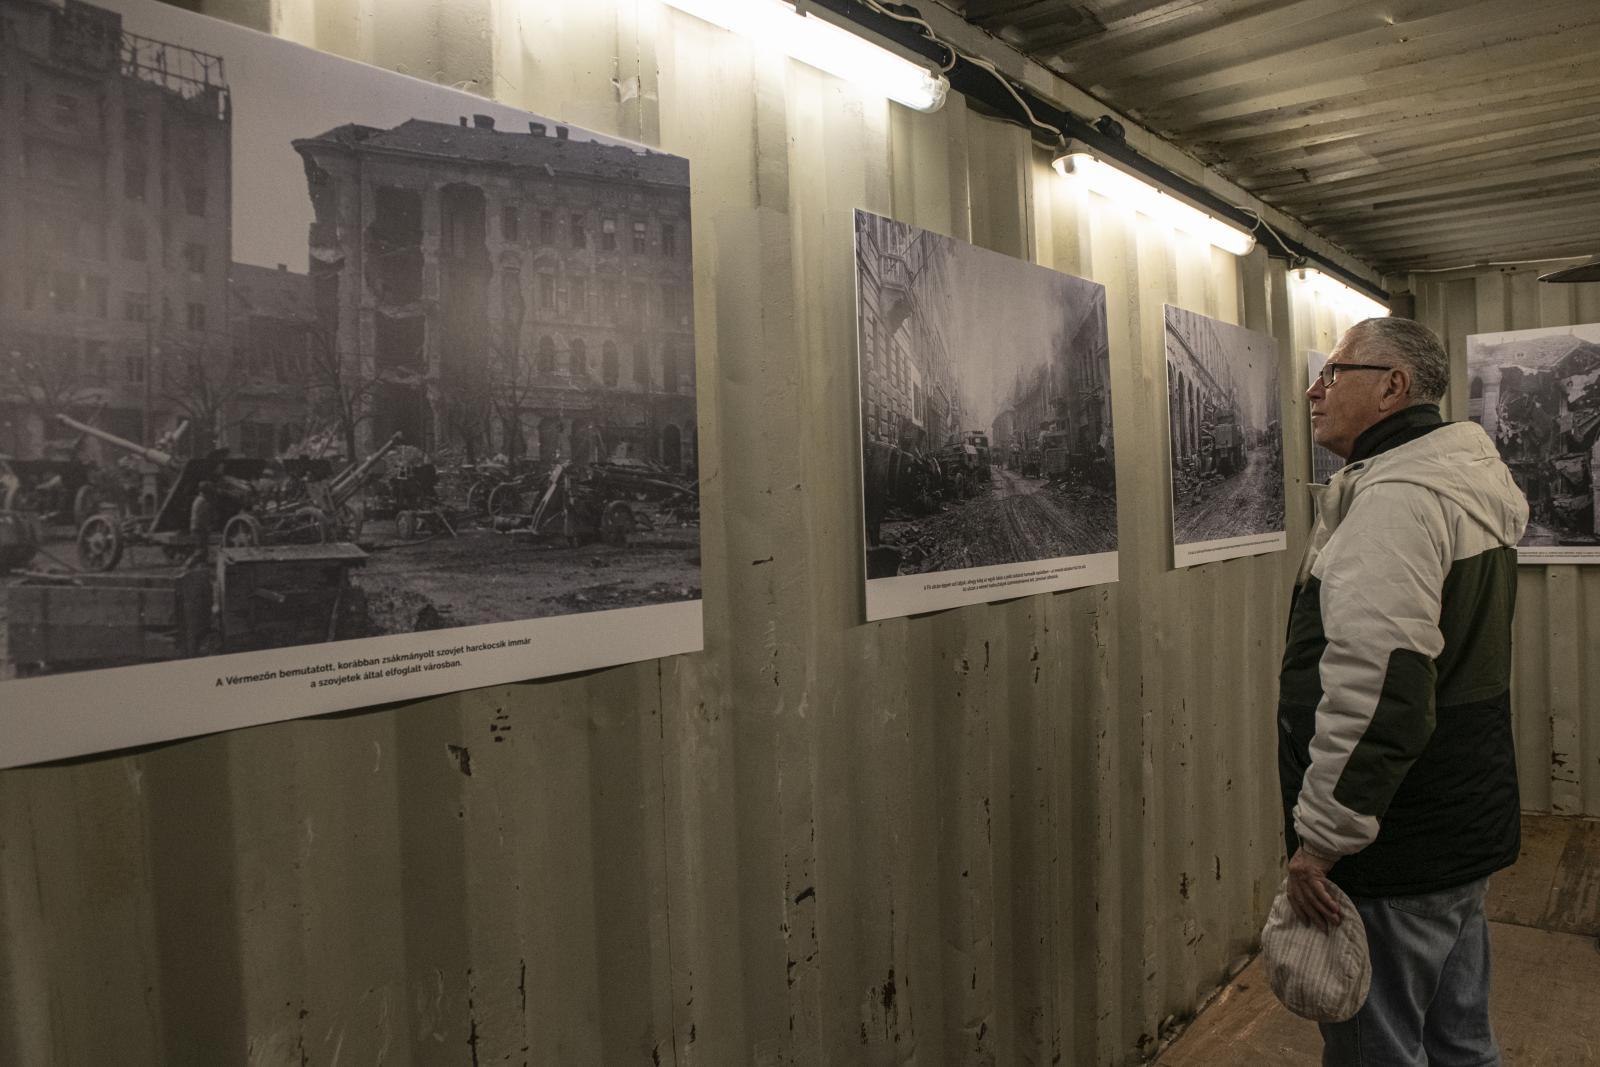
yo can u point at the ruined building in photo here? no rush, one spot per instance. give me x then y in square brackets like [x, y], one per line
[909, 395]
[1199, 380]
[114, 224]
[489, 290]
[272, 326]
[1541, 404]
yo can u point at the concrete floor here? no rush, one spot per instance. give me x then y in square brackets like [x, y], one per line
[1545, 936]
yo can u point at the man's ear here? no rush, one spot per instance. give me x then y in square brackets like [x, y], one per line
[1396, 391]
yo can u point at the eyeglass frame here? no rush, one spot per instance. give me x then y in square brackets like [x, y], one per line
[1328, 383]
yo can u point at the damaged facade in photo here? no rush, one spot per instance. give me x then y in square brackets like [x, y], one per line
[1225, 439]
[115, 239]
[1537, 394]
[272, 327]
[493, 290]
[909, 394]
[1200, 383]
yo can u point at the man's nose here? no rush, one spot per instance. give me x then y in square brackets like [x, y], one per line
[1315, 391]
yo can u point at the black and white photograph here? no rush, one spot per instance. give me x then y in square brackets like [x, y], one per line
[321, 386]
[1226, 437]
[988, 461]
[1324, 464]
[1536, 393]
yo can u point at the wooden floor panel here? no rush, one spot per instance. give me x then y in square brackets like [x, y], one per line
[1545, 1002]
[1545, 943]
[1521, 893]
[1574, 906]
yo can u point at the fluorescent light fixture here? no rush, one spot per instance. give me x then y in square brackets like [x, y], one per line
[1138, 194]
[1347, 299]
[821, 44]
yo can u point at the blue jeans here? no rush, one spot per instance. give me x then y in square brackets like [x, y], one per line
[1429, 1005]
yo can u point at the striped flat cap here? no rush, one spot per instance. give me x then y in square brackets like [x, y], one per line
[1316, 975]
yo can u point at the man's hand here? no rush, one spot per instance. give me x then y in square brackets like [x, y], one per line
[1310, 892]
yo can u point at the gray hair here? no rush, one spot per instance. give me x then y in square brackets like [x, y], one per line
[1417, 348]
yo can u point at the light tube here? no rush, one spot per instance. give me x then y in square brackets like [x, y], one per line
[1141, 196]
[1347, 299]
[831, 49]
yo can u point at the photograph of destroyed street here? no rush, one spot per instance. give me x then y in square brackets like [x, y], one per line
[985, 406]
[1537, 394]
[1225, 429]
[293, 350]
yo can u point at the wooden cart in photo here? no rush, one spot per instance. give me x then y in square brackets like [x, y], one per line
[250, 598]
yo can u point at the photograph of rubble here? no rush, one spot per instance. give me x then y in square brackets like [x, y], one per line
[988, 462]
[1537, 394]
[1324, 464]
[1226, 440]
[321, 386]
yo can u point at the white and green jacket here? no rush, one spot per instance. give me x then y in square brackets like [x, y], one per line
[1395, 742]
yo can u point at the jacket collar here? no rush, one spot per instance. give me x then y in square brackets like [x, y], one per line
[1403, 426]
[1331, 501]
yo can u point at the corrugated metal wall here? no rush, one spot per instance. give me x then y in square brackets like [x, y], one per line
[1556, 675]
[1031, 832]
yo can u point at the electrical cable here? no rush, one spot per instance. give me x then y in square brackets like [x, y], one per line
[1109, 143]
[957, 55]
[1261, 221]
[1498, 263]
[927, 31]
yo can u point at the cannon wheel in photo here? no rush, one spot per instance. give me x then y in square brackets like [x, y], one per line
[505, 499]
[242, 531]
[100, 542]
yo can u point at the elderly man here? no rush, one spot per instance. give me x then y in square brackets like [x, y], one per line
[1394, 730]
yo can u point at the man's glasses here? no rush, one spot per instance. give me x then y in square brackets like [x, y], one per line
[1330, 371]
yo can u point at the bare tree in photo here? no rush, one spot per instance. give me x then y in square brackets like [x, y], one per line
[510, 372]
[204, 381]
[336, 388]
[41, 382]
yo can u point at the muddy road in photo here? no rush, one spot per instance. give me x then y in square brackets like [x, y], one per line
[1250, 502]
[1013, 520]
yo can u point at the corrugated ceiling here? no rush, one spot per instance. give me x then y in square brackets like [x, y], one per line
[1413, 133]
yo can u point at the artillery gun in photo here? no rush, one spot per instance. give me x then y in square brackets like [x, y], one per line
[201, 495]
[312, 512]
[606, 501]
[408, 492]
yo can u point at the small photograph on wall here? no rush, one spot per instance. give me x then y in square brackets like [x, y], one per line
[987, 453]
[1537, 394]
[1226, 437]
[321, 386]
[1324, 464]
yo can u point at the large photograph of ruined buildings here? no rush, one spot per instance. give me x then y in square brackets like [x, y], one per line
[1226, 442]
[1537, 394]
[987, 454]
[320, 386]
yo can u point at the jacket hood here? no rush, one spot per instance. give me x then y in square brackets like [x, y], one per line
[1459, 462]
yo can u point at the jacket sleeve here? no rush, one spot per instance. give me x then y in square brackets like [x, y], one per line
[1381, 578]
